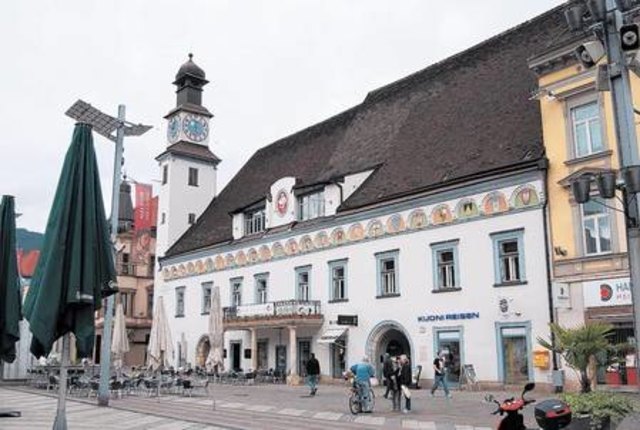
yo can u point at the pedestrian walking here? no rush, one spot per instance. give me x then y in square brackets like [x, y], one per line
[387, 371]
[395, 384]
[363, 372]
[405, 380]
[440, 375]
[313, 374]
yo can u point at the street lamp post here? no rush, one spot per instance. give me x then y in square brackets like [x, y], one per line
[105, 125]
[607, 21]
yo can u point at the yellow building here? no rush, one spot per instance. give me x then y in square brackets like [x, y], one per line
[588, 246]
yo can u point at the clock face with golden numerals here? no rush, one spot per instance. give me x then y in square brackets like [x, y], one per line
[173, 129]
[195, 127]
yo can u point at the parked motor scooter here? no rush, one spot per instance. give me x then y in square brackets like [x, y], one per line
[550, 414]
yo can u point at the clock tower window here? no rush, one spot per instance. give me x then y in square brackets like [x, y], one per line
[165, 174]
[193, 177]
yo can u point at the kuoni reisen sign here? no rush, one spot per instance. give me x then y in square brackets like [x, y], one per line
[607, 292]
[453, 316]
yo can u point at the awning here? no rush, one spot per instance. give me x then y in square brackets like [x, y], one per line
[332, 334]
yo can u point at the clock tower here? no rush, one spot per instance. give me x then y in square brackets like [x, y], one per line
[187, 166]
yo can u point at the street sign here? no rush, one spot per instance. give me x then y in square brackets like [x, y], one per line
[348, 320]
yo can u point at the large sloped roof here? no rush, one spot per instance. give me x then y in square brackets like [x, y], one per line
[469, 114]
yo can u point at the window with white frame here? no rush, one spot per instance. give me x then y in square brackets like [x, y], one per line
[165, 174]
[311, 206]
[596, 227]
[303, 278]
[338, 280]
[446, 273]
[508, 256]
[236, 292]
[387, 264]
[262, 282]
[180, 301]
[587, 129]
[206, 297]
[254, 221]
[193, 177]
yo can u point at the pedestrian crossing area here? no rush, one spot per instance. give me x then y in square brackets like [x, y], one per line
[184, 413]
[38, 412]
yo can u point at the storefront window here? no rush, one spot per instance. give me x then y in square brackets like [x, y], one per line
[514, 354]
[448, 346]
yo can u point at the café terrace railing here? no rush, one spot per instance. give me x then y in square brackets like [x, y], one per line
[279, 309]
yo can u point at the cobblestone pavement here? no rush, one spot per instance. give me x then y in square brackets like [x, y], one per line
[39, 411]
[269, 407]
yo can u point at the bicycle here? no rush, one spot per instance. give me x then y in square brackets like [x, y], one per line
[355, 402]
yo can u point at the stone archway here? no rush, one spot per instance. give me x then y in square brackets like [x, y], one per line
[202, 350]
[388, 337]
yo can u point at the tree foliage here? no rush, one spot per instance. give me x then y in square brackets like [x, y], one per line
[578, 346]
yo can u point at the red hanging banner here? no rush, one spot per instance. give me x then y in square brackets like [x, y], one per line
[143, 214]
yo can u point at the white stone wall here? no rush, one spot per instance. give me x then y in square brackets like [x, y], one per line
[177, 199]
[528, 303]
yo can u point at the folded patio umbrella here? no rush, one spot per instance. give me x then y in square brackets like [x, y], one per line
[160, 343]
[9, 282]
[120, 340]
[76, 269]
[216, 333]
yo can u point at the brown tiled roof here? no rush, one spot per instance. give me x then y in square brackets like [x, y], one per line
[192, 150]
[467, 115]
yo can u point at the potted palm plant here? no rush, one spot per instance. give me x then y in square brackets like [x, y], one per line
[579, 347]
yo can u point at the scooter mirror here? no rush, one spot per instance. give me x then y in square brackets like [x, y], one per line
[530, 386]
[489, 398]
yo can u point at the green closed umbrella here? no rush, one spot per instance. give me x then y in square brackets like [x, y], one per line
[76, 269]
[9, 282]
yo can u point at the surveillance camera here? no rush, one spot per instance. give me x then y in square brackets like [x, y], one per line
[629, 37]
[589, 53]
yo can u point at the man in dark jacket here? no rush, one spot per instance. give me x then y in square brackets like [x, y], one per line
[387, 371]
[405, 379]
[313, 373]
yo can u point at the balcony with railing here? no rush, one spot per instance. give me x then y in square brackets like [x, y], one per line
[136, 270]
[274, 314]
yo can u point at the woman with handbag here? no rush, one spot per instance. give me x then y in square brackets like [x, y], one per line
[404, 380]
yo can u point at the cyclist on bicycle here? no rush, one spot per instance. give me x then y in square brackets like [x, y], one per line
[363, 371]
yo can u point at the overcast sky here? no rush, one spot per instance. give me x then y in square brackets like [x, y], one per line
[274, 67]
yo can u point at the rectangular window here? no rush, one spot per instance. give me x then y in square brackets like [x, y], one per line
[261, 287]
[192, 218]
[596, 227]
[180, 301]
[586, 129]
[387, 264]
[508, 257]
[236, 292]
[338, 280]
[311, 206]
[126, 267]
[165, 174]
[163, 218]
[152, 265]
[303, 278]
[193, 177]
[206, 297]
[127, 300]
[149, 303]
[254, 222]
[446, 272]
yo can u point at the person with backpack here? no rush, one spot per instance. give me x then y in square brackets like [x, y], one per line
[439, 375]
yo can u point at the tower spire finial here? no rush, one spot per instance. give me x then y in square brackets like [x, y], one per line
[190, 56]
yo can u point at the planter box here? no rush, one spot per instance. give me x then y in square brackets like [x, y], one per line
[612, 378]
[631, 376]
[584, 423]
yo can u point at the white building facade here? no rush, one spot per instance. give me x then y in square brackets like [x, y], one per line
[421, 276]
[413, 223]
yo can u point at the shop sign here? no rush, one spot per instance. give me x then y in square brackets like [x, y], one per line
[348, 320]
[541, 359]
[607, 292]
[456, 316]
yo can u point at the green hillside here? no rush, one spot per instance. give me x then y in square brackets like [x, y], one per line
[28, 240]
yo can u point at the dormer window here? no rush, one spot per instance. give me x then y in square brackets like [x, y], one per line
[311, 206]
[254, 221]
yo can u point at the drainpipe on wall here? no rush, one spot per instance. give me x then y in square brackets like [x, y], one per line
[557, 375]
